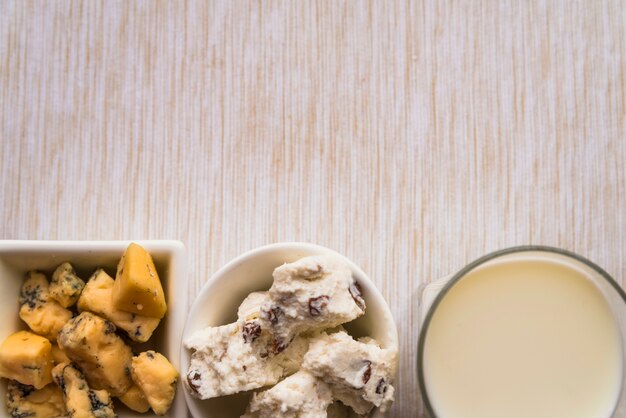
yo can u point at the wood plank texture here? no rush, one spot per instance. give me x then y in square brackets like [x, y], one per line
[412, 137]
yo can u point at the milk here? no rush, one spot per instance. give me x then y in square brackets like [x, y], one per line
[526, 338]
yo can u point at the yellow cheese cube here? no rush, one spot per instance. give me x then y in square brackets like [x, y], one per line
[137, 286]
[65, 286]
[27, 358]
[156, 377]
[43, 314]
[135, 400]
[96, 298]
[26, 401]
[80, 400]
[91, 343]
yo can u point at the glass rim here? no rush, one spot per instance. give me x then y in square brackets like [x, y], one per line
[473, 265]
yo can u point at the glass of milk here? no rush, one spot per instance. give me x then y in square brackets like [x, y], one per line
[526, 332]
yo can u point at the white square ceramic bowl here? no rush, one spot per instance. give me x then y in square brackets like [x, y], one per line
[218, 301]
[18, 257]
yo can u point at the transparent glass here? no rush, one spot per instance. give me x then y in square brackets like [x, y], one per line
[611, 290]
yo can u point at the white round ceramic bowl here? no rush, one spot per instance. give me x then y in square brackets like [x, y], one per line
[219, 299]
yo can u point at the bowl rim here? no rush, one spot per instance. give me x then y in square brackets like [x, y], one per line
[220, 274]
[473, 265]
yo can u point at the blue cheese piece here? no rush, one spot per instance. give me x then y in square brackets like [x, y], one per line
[80, 400]
[27, 358]
[26, 401]
[65, 286]
[299, 395]
[358, 372]
[58, 356]
[96, 298]
[135, 399]
[44, 315]
[156, 377]
[91, 343]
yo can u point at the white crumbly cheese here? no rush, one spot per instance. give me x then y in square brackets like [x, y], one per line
[250, 308]
[358, 373]
[311, 294]
[272, 336]
[234, 358]
[301, 395]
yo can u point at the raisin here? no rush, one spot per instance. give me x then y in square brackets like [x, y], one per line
[368, 371]
[150, 354]
[251, 331]
[381, 387]
[272, 314]
[193, 378]
[356, 293]
[278, 346]
[317, 305]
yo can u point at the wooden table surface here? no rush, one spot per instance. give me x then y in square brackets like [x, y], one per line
[412, 137]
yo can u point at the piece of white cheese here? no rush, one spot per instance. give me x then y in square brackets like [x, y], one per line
[359, 373]
[234, 358]
[300, 395]
[311, 294]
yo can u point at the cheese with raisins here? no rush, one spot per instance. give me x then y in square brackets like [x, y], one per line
[92, 344]
[96, 298]
[358, 372]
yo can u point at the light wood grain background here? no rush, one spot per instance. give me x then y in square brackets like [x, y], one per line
[412, 137]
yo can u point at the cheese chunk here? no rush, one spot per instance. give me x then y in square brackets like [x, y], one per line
[358, 372]
[43, 314]
[58, 356]
[27, 358]
[156, 377]
[91, 343]
[65, 286]
[137, 286]
[310, 294]
[80, 400]
[135, 399]
[26, 401]
[301, 395]
[234, 358]
[96, 298]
